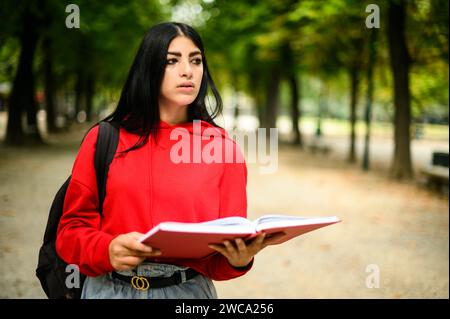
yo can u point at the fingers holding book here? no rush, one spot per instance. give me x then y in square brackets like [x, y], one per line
[126, 252]
[273, 238]
[239, 253]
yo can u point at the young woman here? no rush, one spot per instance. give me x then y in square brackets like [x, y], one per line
[165, 91]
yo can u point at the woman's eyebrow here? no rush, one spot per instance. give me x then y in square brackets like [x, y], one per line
[190, 54]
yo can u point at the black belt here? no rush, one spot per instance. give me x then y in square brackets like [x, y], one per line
[144, 283]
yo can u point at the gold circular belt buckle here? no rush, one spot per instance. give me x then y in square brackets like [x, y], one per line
[140, 283]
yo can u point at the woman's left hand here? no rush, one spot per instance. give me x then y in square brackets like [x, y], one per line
[239, 254]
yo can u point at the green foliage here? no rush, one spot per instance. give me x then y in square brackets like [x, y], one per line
[319, 41]
[9, 55]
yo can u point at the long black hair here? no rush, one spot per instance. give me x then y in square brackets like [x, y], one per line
[137, 110]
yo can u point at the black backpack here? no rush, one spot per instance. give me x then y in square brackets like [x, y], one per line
[51, 269]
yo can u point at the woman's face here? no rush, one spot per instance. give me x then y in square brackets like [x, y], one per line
[183, 74]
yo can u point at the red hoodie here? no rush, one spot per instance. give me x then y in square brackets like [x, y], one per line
[145, 187]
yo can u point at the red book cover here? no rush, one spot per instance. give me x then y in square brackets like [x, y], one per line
[191, 240]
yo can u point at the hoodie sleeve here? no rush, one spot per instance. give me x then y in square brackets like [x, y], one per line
[233, 202]
[79, 239]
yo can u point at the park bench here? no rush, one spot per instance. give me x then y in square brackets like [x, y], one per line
[436, 173]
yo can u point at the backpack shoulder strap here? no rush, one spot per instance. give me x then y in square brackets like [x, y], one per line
[107, 141]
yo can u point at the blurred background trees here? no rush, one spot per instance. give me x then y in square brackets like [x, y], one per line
[302, 60]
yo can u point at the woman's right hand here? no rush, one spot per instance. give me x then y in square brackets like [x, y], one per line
[126, 252]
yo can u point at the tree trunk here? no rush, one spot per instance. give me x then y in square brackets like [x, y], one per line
[255, 89]
[89, 97]
[354, 88]
[401, 166]
[49, 85]
[235, 109]
[259, 100]
[295, 110]
[272, 99]
[370, 84]
[80, 100]
[289, 70]
[23, 93]
[235, 103]
[322, 107]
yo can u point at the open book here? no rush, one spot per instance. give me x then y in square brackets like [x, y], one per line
[190, 240]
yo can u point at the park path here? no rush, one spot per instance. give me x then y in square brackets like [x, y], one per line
[398, 229]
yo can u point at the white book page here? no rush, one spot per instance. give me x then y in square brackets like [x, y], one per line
[271, 221]
[240, 225]
[202, 228]
[229, 221]
[227, 225]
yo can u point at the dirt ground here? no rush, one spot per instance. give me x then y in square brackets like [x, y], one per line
[400, 230]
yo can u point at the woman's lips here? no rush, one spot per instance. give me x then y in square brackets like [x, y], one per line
[186, 89]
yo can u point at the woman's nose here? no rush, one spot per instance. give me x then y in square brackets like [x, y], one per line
[185, 69]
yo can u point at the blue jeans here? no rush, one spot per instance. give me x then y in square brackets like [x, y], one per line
[107, 287]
